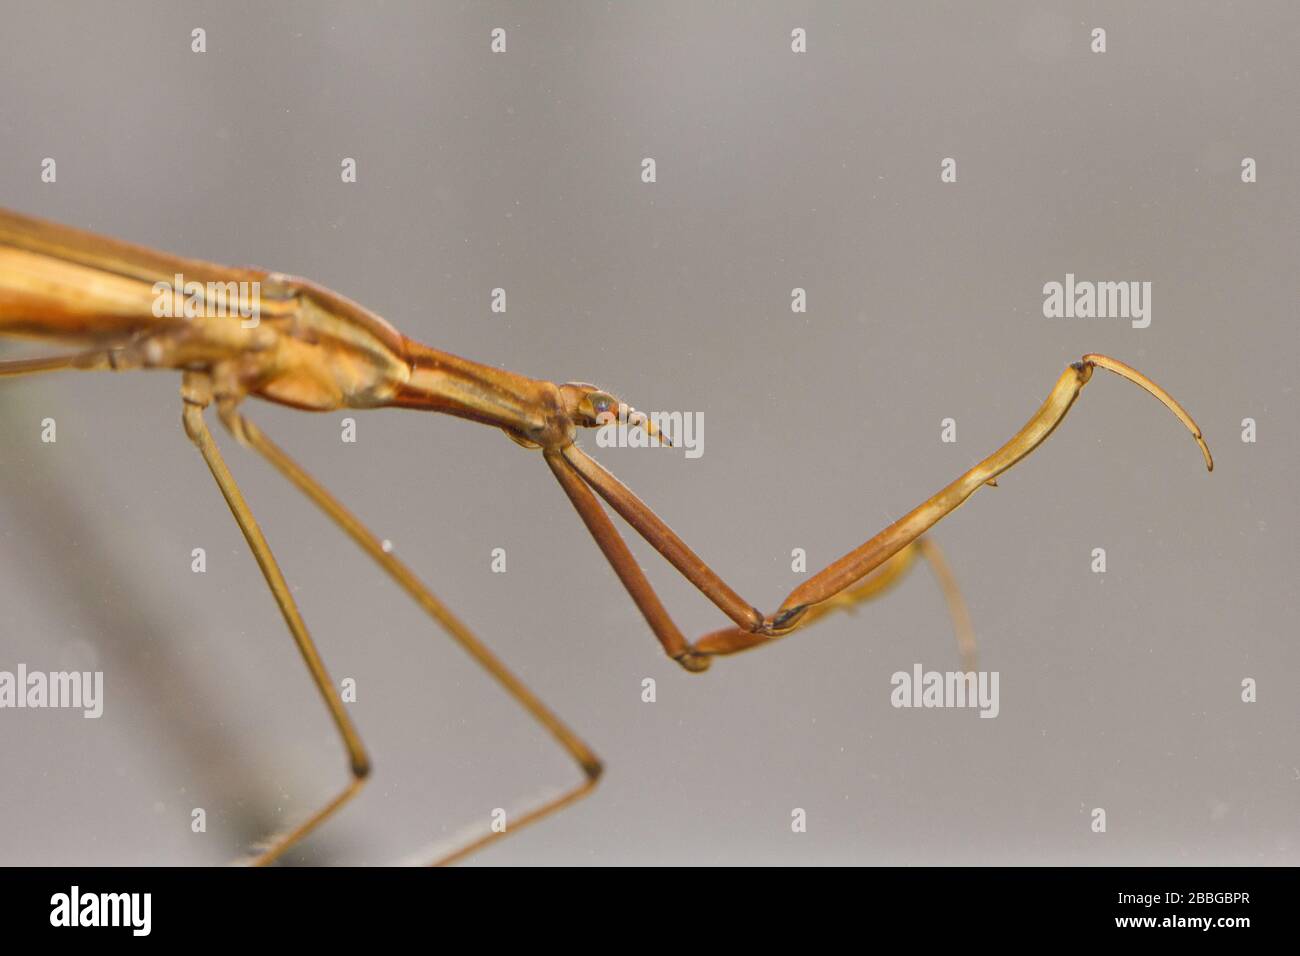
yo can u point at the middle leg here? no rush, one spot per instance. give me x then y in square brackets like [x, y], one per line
[249, 434]
[197, 394]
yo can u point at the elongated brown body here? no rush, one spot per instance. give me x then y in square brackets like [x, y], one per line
[307, 347]
[293, 342]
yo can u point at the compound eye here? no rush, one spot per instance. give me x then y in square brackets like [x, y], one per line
[601, 403]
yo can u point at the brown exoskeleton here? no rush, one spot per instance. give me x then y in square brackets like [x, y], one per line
[309, 348]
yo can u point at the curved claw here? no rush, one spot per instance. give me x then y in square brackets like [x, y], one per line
[1137, 378]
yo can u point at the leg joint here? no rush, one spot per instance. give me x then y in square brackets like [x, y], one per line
[784, 621]
[693, 662]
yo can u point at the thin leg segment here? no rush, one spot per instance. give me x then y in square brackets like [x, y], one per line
[196, 391]
[961, 625]
[624, 564]
[876, 584]
[583, 756]
[101, 358]
[853, 565]
[800, 607]
[31, 366]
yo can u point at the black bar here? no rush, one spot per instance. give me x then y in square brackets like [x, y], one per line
[548, 906]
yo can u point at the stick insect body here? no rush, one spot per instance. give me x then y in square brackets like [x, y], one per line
[315, 350]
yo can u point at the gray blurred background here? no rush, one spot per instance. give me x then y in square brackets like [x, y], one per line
[775, 170]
